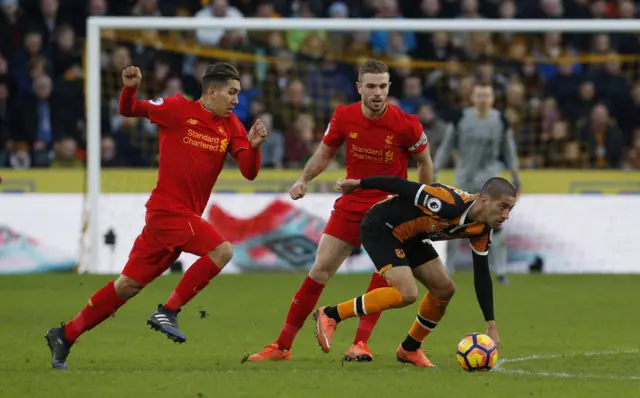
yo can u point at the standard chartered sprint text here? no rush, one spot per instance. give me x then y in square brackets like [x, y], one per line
[376, 155]
[205, 141]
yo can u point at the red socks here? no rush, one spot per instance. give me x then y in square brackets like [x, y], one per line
[368, 322]
[304, 301]
[106, 302]
[193, 281]
[102, 305]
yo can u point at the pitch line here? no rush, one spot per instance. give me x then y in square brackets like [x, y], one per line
[570, 354]
[565, 375]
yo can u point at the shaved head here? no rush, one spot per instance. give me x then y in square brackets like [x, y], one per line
[498, 187]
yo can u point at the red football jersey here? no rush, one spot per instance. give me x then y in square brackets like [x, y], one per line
[193, 146]
[375, 147]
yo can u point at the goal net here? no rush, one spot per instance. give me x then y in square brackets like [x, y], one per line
[546, 74]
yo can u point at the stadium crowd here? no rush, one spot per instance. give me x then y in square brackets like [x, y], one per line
[573, 100]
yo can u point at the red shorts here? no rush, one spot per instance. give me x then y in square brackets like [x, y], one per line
[164, 237]
[345, 225]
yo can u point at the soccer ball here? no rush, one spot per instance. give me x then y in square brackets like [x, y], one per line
[477, 352]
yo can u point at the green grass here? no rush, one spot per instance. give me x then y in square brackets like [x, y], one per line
[537, 315]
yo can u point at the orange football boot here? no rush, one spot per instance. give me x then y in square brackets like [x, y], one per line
[272, 352]
[325, 327]
[359, 352]
[417, 358]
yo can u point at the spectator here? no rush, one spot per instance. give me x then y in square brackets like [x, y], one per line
[33, 48]
[47, 20]
[380, 39]
[109, 155]
[434, 127]
[612, 87]
[66, 53]
[43, 121]
[604, 141]
[299, 140]
[563, 87]
[633, 160]
[296, 79]
[146, 8]
[8, 24]
[247, 95]
[66, 154]
[297, 38]
[412, 95]
[274, 148]
[217, 9]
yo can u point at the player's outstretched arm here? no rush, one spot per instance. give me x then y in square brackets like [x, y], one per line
[425, 166]
[407, 190]
[246, 148]
[484, 292]
[129, 105]
[249, 162]
[160, 111]
[315, 165]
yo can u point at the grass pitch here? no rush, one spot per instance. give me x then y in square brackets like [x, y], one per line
[562, 336]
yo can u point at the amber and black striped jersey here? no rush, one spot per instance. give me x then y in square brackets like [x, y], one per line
[440, 212]
[435, 212]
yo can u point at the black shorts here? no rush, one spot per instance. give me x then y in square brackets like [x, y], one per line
[386, 251]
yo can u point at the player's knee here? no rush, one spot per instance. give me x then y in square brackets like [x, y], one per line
[320, 274]
[322, 271]
[222, 254]
[330, 255]
[126, 287]
[409, 294]
[446, 290]
[401, 278]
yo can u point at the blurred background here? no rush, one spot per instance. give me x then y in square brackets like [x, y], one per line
[560, 92]
[572, 99]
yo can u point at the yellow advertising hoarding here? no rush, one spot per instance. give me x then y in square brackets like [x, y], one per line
[143, 181]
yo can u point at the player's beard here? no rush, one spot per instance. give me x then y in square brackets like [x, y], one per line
[375, 108]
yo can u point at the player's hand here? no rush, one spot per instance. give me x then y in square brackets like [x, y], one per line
[131, 76]
[347, 186]
[492, 331]
[257, 134]
[298, 190]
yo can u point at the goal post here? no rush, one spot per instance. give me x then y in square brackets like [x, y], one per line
[93, 61]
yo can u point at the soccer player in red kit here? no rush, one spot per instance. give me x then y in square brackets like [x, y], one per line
[195, 138]
[380, 139]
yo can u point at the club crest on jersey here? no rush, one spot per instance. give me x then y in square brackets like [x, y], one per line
[157, 101]
[400, 253]
[434, 204]
[389, 140]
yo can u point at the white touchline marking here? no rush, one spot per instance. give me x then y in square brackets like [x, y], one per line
[570, 354]
[567, 375]
[499, 368]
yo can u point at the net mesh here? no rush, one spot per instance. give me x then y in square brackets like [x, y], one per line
[293, 81]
